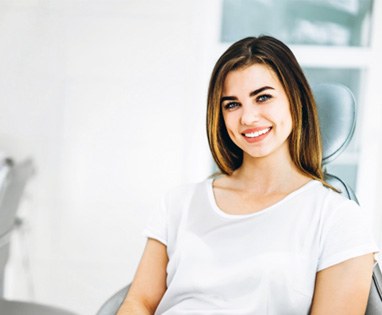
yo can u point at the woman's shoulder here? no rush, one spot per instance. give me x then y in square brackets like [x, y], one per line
[331, 202]
[333, 197]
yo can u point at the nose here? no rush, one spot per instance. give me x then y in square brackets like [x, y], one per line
[250, 114]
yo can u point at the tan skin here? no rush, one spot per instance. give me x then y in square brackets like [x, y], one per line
[149, 283]
[266, 176]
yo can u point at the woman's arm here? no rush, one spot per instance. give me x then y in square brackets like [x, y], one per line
[343, 289]
[149, 283]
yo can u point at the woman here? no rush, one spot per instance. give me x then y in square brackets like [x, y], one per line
[267, 236]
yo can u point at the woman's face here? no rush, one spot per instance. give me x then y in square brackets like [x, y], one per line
[256, 111]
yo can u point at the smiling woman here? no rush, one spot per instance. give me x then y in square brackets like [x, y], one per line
[280, 68]
[268, 235]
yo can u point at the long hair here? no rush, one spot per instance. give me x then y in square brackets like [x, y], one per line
[305, 139]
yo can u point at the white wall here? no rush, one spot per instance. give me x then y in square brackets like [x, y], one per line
[108, 97]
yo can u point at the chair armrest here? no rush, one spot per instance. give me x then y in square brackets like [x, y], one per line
[111, 306]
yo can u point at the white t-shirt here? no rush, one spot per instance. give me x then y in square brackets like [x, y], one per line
[260, 263]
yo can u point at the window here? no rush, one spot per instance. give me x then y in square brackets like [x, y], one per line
[299, 22]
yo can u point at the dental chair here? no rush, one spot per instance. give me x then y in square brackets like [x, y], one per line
[336, 110]
[13, 182]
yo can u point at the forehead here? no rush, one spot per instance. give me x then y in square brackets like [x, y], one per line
[250, 78]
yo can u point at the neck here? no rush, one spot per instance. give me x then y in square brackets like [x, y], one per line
[269, 174]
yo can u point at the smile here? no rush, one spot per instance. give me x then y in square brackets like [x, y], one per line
[257, 133]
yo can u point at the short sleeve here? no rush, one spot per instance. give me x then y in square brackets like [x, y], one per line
[346, 234]
[156, 227]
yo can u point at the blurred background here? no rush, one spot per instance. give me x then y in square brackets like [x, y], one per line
[108, 97]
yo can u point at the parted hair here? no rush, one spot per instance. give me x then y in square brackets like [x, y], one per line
[305, 139]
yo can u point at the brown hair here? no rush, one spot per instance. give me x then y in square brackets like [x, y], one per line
[305, 139]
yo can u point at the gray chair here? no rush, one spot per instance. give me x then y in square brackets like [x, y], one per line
[29, 308]
[111, 306]
[11, 191]
[336, 110]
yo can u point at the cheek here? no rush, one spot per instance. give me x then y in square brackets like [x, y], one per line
[287, 121]
[289, 128]
[231, 127]
[228, 122]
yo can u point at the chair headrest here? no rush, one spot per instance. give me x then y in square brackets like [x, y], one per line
[336, 111]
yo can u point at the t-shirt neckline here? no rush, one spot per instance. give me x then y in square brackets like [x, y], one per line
[215, 207]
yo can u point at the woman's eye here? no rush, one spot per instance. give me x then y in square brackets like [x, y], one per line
[231, 105]
[263, 98]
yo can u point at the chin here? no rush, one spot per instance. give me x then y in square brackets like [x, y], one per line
[257, 155]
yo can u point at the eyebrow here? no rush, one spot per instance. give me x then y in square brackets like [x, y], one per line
[253, 93]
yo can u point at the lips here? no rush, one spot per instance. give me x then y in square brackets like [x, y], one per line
[256, 135]
[256, 132]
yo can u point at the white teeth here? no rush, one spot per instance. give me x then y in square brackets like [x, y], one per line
[257, 133]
